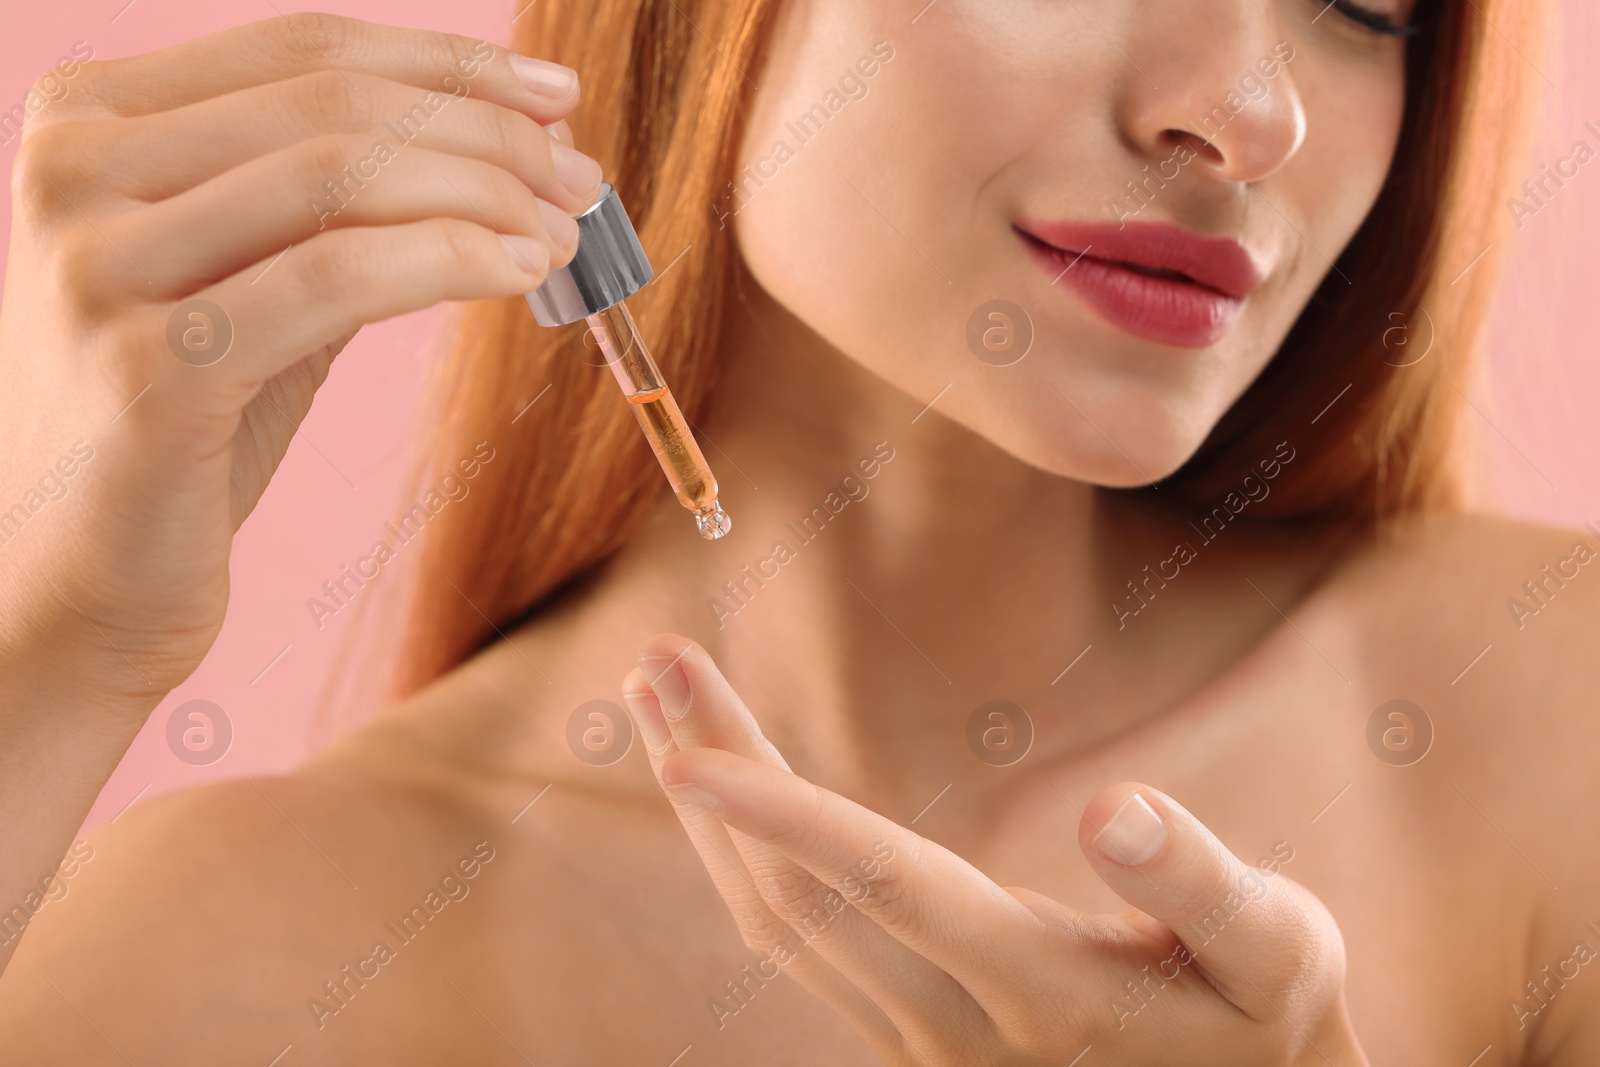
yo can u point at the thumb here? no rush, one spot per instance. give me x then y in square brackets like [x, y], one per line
[1266, 943]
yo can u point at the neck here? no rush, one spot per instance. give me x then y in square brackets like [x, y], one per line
[889, 572]
[882, 548]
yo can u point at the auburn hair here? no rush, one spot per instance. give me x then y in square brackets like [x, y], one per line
[666, 91]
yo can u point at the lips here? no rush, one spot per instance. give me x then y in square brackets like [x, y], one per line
[1153, 279]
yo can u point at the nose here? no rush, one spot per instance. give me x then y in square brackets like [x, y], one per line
[1215, 77]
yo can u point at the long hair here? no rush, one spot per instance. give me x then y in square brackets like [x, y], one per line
[667, 86]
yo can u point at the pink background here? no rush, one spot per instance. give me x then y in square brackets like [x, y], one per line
[340, 480]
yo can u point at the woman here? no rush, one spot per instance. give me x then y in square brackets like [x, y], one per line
[967, 275]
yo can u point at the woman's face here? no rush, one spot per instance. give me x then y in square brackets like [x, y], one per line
[909, 166]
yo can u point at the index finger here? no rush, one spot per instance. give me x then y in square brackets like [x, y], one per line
[927, 897]
[288, 45]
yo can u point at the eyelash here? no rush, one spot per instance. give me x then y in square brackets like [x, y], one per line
[1372, 20]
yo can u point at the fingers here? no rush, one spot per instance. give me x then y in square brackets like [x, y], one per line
[205, 139]
[671, 679]
[411, 186]
[781, 946]
[561, 131]
[317, 292]
[663, 661]
[1262, 940]
[683, 675]
[301, 43]
[929, 899]
[709, 836]
[252, 207]
[762, 930]
[701, 711]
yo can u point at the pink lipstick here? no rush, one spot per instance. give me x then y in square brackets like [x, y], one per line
[1155, 280]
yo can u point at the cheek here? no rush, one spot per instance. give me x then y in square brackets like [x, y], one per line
[1353, 121]
[856, 214]
[1353, 124]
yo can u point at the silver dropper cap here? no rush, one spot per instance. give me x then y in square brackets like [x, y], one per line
[610, 265]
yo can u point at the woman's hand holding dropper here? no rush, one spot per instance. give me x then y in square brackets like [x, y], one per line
[196, 235]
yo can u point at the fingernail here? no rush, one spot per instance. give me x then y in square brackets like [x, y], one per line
[550, 80]
[527, 253]
[646, 712]
[699, 796]
[577, 171]
[1134, 835]
[670, 684]
[562, 228]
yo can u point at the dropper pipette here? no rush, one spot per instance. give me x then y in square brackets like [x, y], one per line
[609, 266]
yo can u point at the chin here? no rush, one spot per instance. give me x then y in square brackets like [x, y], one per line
[1150, 442]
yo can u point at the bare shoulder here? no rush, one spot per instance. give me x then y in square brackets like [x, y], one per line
[377, 905]
[200, 926]
[1507, 609]
[1488, 628]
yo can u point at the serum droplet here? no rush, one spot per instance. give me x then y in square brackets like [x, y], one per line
[713, 524]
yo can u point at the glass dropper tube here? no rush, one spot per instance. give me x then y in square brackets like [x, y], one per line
[609, 265]
[657, 412]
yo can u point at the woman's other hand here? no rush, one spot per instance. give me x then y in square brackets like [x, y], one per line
[935, 964]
